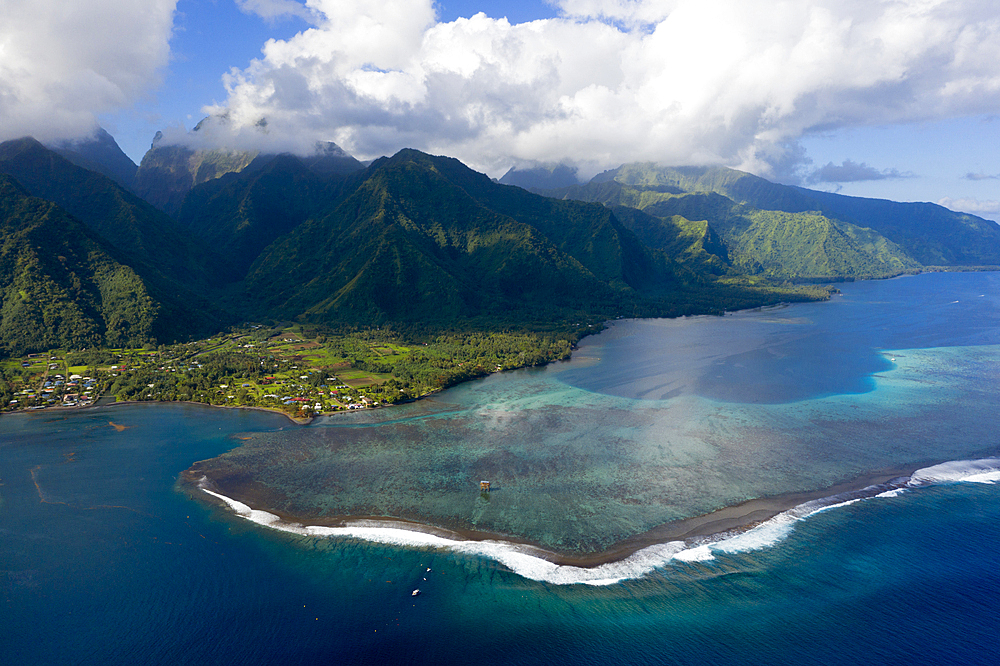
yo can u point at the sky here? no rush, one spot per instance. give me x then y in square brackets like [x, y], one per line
[896, 99]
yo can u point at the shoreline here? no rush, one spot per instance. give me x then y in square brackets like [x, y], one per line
[722, 523]
[94, 405]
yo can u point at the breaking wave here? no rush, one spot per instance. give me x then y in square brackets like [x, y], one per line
[531, 563]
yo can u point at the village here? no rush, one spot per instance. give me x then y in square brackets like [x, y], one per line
[296, 370]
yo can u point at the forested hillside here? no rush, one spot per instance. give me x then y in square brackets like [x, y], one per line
[62, 286]
[785, 232]
[425, 243]
[144, 234]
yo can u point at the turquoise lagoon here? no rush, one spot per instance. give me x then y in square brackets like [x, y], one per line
[107, 557]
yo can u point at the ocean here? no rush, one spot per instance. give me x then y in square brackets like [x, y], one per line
[110, 554]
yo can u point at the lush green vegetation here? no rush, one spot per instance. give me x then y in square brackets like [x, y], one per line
[790, 245]
[711, 232]
[931, 234]
[424, 239]
[414, 273]
[301, 371]
[60, 284]
[240, 216]
[927, 233]
[144, 236]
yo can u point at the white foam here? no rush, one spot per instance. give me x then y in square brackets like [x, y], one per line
[986, 470]
[522, 560]
[767, 534]
[762, 536]
[702, 553]
[530, 562]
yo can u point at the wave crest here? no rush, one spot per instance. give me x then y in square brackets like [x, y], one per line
[531, 563]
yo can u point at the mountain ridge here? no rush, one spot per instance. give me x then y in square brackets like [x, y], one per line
[906, 236]
[120, 217]
[421, 240]
[63, 285]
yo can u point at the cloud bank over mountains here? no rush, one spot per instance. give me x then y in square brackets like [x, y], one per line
[989, 209]
[852, 172]
[733, 82]
[63, 62]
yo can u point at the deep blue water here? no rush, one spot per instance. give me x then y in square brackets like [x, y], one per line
[105, 559]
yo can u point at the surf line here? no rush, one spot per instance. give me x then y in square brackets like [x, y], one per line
[526, 561]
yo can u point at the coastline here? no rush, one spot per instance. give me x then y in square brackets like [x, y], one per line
[95, 404]
[306, 421]
[722, 523]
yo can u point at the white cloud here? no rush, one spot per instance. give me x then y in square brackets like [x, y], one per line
[852, 172]
[990, 209]
[62, 62]
[272, 10]
[733, 82]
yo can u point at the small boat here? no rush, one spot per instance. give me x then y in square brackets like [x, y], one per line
[415, 592]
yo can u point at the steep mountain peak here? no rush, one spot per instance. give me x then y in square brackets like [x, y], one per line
[16, 147]
[541, 177]
[101, 153]
[449, 168]
[328, 159]
[169, 170]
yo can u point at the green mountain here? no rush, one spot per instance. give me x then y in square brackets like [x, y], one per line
[63, 286]
[412, 240]
[785, 232]
[930, 234]
[101, 153]
[784, 245]
[693, 244]
[169, 171]
[425, 239]
[242, 213]
[146, 235]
